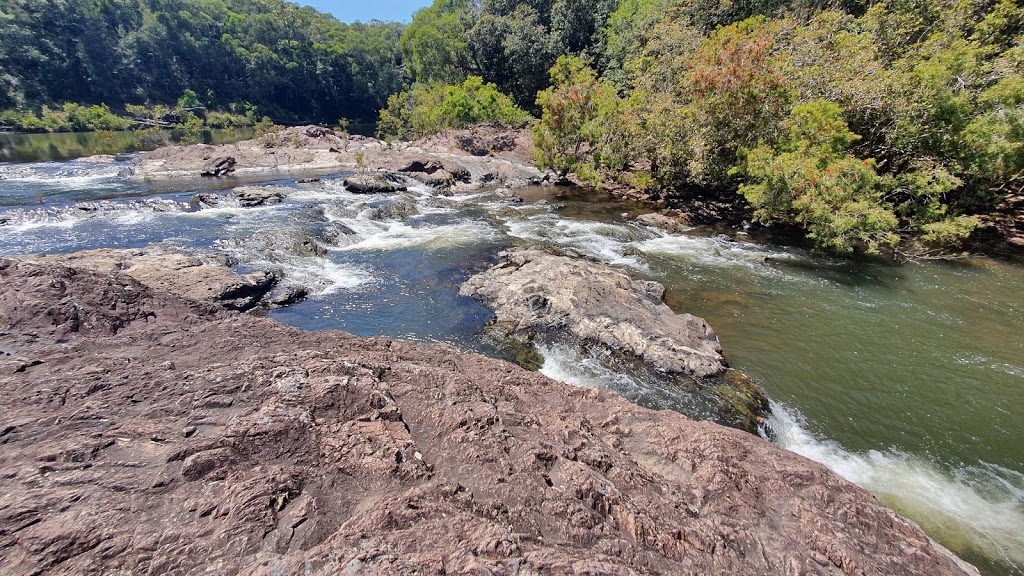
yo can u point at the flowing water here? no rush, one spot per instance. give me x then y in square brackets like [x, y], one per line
[907, 380]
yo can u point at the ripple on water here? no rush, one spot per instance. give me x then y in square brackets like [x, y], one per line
[976, 511]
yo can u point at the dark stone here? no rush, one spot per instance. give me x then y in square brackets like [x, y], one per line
[377, 183]
[218, 167]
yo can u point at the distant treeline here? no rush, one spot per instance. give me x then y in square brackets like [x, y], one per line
[292, 63]
[864, 122]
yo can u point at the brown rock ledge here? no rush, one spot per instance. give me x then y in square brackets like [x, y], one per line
[143, 433]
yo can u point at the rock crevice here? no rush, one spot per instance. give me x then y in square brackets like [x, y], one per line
[191, 437]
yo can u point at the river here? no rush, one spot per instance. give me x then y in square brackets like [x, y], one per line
[905, 379]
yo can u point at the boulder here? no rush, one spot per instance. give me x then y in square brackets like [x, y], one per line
[597, 306]
[220, 166]
[255, 196]
[374, 183]
[288, 296]
[190, 438]
[437, 174]
[536, 290]
[663, 221]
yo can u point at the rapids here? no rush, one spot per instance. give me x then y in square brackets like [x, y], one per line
[907, 380]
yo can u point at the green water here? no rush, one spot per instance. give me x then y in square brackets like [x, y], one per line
[70, 145]
[908, 380]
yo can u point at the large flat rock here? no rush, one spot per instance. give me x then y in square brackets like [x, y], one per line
[471, 158]
[141, 433]
[203, 278]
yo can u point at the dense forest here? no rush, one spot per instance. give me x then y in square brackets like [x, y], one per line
[290, 62]
[862, 122]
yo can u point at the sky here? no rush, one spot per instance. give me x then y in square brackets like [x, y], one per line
[366, 10]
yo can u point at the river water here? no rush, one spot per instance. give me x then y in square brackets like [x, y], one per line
[907, 380]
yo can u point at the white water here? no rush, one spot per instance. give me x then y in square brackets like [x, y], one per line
[978, 508]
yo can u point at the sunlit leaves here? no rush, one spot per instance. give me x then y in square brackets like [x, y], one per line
[431, 108]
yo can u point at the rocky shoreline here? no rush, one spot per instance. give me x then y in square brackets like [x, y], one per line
[455, 161]
[147, 433]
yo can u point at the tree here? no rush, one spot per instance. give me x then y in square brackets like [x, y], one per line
[431, 108]
[579, 130]
[808, 179]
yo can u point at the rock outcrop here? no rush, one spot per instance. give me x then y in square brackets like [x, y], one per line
[299, 149]
[202, 278]
[374, 183]
[591, 304]
[455, 160]
[143, 433]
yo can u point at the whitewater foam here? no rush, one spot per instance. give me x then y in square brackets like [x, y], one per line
[399, 235]
[711, 250]
[978, 508]
[605, 242]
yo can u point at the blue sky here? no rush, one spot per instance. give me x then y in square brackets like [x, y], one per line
[366, 10]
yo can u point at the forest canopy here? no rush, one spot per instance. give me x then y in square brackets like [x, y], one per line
[860, 122]
[291, 62]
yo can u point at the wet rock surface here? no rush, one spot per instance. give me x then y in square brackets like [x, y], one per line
[148, 434]
[374, 183]
[537, 290]
[256, 196]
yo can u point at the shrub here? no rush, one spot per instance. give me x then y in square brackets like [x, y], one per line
[580, 128]
[431, 108]
[809, 180]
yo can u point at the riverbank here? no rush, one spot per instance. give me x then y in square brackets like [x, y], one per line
[807, 327]
[457, 161]
[21, 147]
[280, 449]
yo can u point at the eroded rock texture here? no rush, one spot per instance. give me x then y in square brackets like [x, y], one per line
[142, 433]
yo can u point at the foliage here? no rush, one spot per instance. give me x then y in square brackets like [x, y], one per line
[266, 127]
[809, 180]
[69, 118]
[578, 130]
[191, 130]
[510, 44]
[934, 93]
[291, 61]
[436, 44]
[431, 108]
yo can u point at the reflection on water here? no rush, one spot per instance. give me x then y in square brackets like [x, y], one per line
[16, 147]
[908, 380]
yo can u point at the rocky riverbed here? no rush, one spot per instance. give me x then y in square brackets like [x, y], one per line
[144, 432]
[455, 160]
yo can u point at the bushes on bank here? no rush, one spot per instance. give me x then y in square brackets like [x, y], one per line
[917, 112]
[428, 109]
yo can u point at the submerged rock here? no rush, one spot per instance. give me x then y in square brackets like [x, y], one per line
[591, 304]
[149, 434]
[256, 196]
[663, 221]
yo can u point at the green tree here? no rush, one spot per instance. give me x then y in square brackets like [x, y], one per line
[580, 128]
[431, 108]
[809, 180]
